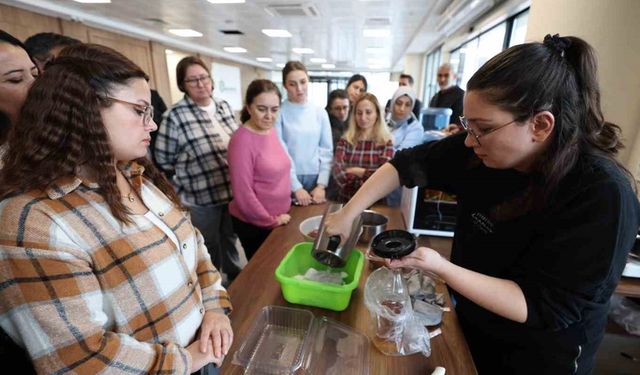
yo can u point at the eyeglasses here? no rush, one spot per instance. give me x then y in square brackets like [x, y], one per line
[147, 110]
[465, 125]
[193, 82]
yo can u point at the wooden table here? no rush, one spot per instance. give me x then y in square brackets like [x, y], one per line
[256, 287]
[629, 286]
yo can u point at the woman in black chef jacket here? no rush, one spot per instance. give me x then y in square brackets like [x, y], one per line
[546, 215]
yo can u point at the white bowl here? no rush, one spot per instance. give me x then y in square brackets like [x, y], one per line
[309, 225]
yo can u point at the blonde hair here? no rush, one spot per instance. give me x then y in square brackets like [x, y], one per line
[380, 133]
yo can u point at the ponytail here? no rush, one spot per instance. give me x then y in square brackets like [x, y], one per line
[599, 134]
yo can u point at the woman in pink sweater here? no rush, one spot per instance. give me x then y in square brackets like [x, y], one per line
[259, 169]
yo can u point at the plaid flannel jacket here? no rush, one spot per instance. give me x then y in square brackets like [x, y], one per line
[364, 154]
[85, 294]
[189, 148]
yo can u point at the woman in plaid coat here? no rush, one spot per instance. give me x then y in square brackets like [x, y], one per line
[102, 270]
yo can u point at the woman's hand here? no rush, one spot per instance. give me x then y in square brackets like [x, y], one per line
[318, 194]
[357, 171]
[338, 223]
[423, 258]
[283, 219]
[199, 359]
[216, 327]
[303, 197]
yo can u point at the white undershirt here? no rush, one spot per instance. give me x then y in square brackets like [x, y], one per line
[163, 227]
[211, 111]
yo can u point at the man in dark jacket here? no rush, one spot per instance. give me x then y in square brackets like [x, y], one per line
[450, 94]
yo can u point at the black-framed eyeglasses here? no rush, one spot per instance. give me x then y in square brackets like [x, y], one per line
[465, 124]
[193, 82]
[147, 110]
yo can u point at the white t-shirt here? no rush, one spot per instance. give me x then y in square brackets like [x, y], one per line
[160, 224]
[211, 111]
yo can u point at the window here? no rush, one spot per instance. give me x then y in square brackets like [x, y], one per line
[431, 69]
[471, 55]
[519, 29]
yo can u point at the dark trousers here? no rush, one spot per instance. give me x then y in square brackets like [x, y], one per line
[214, 222]
[251, 236]
[208, 369]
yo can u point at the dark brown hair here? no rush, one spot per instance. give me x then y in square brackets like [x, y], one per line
[257, 87]
[356, 78]
[183, 65]
[39, 46]
[560, 76]
[336, 94]
[408, 77]
[290, 67]
[61, 128]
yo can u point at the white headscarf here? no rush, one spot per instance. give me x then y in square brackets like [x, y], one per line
[403, 91]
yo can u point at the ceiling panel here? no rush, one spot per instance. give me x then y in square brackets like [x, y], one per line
[335, 34]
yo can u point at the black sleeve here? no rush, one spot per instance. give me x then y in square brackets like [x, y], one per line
[577, 258]
[416, 108]
[158, 106]
[434, 100]
[457, 108]
[437, 165]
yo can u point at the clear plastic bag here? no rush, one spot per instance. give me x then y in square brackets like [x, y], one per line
[396, 330]
[626, 313]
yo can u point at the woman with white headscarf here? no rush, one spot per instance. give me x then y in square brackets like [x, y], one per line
[404, 127]
[403, 124]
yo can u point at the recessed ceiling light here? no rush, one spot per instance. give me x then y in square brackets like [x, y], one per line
[277, 33]
[318, 60]
[375, 61]
[374, 49]
[93, 1]
[302, 51]
[226, 1]
[328, 66]
[264, 59]
[373, 67]
[168, 51]
[280, 65]
[186, 33]
[376, 33]
[235, 49]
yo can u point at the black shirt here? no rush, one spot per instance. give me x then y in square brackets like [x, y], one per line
[451, 97]
[337, 129]
[158, 109]
[567, 257]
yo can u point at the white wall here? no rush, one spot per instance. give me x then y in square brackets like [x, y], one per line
[613, 29]
[414, 65]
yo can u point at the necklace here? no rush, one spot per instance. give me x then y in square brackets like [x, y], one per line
[129, 197]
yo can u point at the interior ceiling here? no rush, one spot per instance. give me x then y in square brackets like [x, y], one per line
[334, 34]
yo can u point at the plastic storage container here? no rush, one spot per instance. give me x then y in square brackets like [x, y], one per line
[435, 118]
[285, 340]
[311, 293]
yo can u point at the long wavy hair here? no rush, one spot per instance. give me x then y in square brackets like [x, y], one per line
[61, 129]
[560, 76]
[380, 134]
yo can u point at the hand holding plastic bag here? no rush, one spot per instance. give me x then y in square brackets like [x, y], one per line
[396, 330]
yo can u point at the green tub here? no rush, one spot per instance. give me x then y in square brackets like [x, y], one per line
[311, 293]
